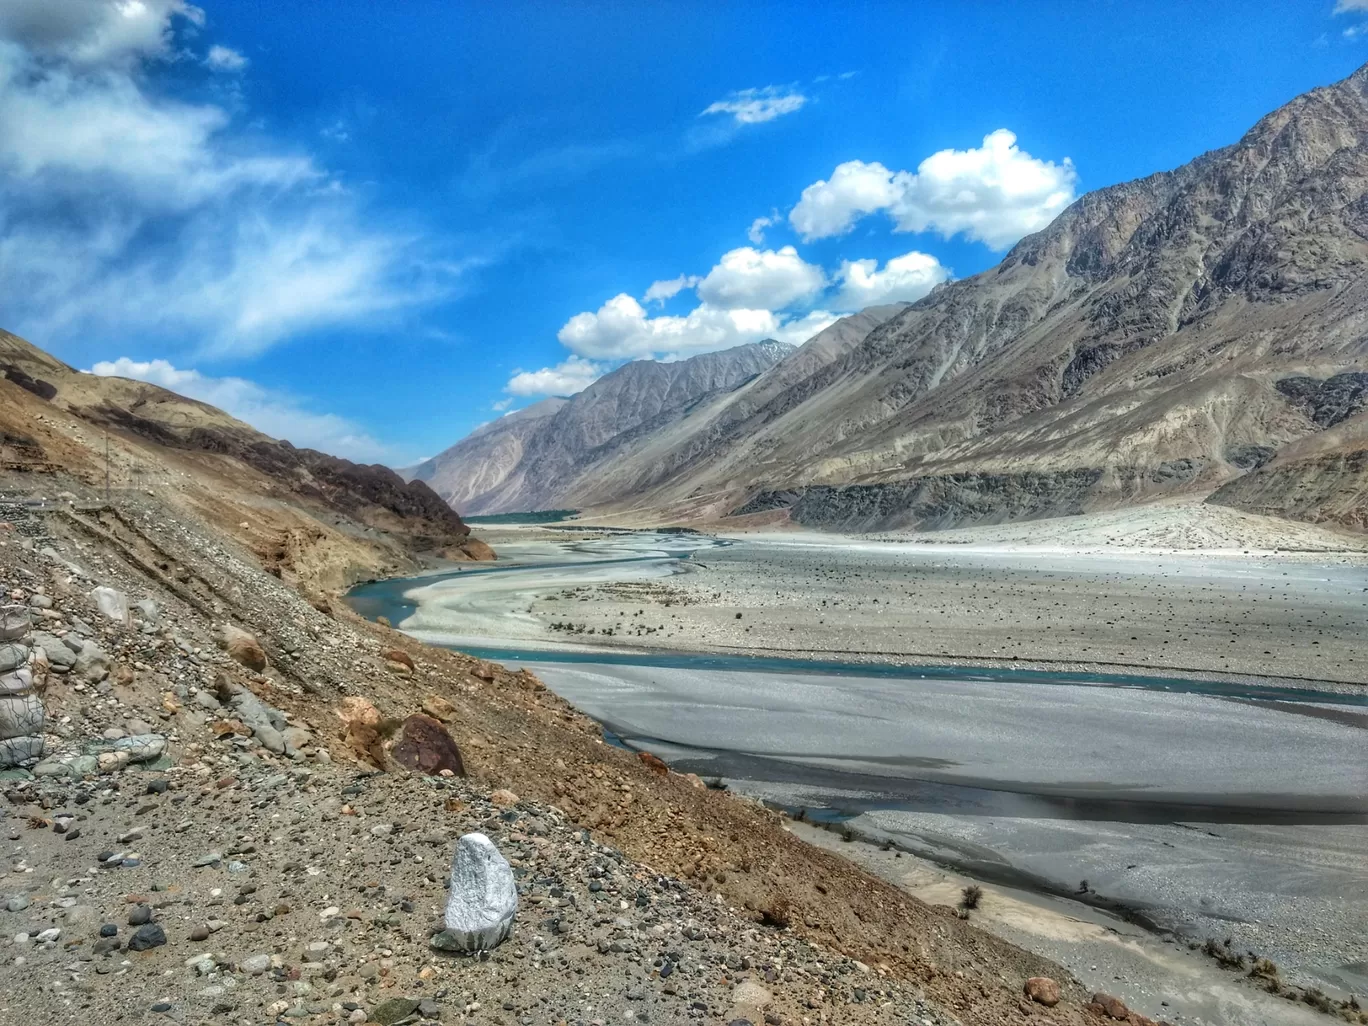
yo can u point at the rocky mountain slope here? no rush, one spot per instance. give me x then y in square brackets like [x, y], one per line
[1199, 332]
[299, 508]
[535, 458]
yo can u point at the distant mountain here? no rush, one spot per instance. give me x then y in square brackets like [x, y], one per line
[1202, 331]
[535, 458]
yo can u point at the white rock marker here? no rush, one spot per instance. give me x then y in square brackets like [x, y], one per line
[483, 898]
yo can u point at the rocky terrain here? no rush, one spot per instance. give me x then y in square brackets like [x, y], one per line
[1202, 332]
[244, 804]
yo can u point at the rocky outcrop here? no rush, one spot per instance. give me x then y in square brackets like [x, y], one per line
[1327, 487]
[1328, 402]
[163, 428]
[350, 488]
[937, 502]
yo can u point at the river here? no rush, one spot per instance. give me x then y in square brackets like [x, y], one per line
[1209, 808]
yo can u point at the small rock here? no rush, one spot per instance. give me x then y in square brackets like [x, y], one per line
[1043, 991]
[243, 647]
[391, 1011]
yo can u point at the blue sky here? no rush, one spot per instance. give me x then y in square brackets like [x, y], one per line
[371, 227]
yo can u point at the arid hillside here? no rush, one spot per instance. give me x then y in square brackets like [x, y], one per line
[318, 521]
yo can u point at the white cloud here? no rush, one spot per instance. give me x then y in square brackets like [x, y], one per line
[96, 32]
[122, 210]
[72, 136]
[273, 413]
[753, 106]
[756, 232]
[994, 194]
[1351, 6]
[750, 279]
[904, 278]
[226, 59]
[797, 331]
[621, 330]
[573, 375]
[669, 288]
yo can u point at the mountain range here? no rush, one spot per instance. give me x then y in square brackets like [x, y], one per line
[1200, 332]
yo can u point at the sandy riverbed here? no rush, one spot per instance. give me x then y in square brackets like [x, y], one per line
[1296, 615]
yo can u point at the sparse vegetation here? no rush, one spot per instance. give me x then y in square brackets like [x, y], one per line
[971, 896]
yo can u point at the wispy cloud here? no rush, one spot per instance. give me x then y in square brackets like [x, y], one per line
[122, 209]
[274, 413]
[225, 59]
[755, 106]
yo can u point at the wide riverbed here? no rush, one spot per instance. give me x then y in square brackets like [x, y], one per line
[1209, 808]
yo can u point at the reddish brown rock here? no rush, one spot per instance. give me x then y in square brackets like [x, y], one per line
[398, 655]
[654, 763]
[425, 747]
[1043, 991]
[361, 729]
[1111, 1007]
[439, 708]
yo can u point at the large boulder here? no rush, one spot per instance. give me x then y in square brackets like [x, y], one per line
[16, 682]
[242, 647]
[16, 751]
[266, 723]
[361, 729]
[92, 663]
[141, 747]
[1042, 990]
[483, 899]
[425, 747]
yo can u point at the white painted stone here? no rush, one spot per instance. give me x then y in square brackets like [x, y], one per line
[483, 898]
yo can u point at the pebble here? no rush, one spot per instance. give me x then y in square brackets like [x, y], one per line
[150, 935]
